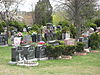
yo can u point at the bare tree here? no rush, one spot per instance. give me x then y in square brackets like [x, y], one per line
[74, 9]
[8, 8]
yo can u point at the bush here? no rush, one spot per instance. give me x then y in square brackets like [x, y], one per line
[80, 47]
[69, 50]
[97, 22]
[61, 42]
[54, 51]
[64, 23]
[59, 35]
[18, 25]
[65, 29]
[94, 41]
[1, 29]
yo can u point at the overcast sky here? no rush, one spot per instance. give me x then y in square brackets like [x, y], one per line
[27, 4]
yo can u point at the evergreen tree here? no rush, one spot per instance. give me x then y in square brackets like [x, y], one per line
[43, 12]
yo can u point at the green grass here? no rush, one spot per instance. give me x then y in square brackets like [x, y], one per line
[79, 65]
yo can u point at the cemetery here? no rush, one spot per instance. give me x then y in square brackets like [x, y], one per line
[50, 40]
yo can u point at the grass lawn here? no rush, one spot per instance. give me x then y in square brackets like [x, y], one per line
[79, 65]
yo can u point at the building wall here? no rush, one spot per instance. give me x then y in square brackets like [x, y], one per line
[28, 17]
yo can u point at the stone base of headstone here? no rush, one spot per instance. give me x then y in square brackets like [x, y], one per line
[66, 57]
[80, 53]
[42, 59]
[12, 63]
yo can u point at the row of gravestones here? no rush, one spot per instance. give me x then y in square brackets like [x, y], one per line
[29, 52]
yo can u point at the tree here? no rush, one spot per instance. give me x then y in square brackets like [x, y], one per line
[8, 10]
[97, 22]
[74, 9]
[43, 12]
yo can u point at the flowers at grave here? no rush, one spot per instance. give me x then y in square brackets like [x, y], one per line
[41, 42]
[98, 33]
[84, 36]
[19, 34]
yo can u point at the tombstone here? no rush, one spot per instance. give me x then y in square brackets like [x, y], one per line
[67, 35]
[22, 52]
[34, 37]
[3, 40]
[63, 36]
[40, 51]
[17, 41]
[54, 42]
[24, 30]
[29, 52]
[14, 55]
[39, 37]
[69, 41]
[27, 39]
[84, 40]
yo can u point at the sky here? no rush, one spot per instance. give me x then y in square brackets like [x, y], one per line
[27, 4]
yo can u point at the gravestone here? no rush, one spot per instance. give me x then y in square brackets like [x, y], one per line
[40, 51]
[54, 42]
[69, 41]
[27, 39]
[17, 41]
[27, 51]
[39, 37]
[3, 40]
[34, 37]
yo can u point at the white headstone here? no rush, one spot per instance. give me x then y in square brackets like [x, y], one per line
[24, 30]
[67, 35]
[17, 41]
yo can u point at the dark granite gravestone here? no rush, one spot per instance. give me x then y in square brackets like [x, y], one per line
[40, 51]
[3, 40]
[34, 37]
[39, 37]
[23, 51]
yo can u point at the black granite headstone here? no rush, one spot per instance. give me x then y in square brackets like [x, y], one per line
[40, 51]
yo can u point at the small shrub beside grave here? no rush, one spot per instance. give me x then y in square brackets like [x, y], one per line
[69, 50]
[80, 47]
[54, 51]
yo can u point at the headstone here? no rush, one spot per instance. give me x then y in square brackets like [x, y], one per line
[27, 39]
[39, 37]
[54, 42]
[67, 35]
[69, 41]
[3, 40]
[34, 37]
[40, 51]
[22, 52]
[24, 30]
[17, 41]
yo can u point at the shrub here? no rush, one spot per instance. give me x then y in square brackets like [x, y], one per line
[54, 51]
[1, 28]
[65, 29]
[69, 50]
[62, 42]
[80, 47]
[59, 35]
[97, 22]
[94, 41]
